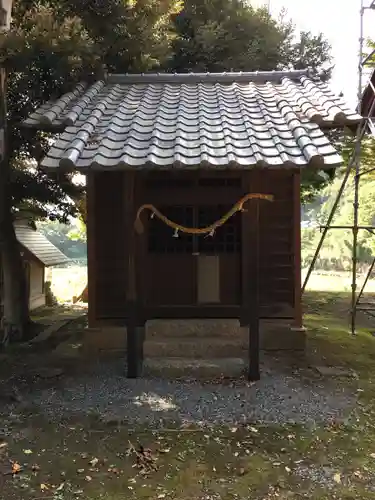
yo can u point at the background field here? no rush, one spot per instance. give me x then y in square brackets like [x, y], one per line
[70, 281]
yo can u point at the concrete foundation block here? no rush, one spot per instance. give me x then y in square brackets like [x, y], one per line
[97, 340]
[279, 335]
[197, 338]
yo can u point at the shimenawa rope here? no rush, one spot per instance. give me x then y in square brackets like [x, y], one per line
[209, 230]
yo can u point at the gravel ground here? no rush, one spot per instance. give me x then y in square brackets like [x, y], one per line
[278, 398]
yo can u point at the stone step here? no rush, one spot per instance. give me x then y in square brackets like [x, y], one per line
[190, 368]
[199, 348]
[193, 328]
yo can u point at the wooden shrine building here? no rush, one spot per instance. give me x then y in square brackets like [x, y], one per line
[189, 147]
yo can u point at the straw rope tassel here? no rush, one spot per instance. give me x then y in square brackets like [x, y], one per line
[238, 207]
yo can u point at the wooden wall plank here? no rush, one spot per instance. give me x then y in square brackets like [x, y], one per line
[110, 238]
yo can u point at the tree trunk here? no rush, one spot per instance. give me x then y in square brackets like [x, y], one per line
[15, 322]
[16, 319]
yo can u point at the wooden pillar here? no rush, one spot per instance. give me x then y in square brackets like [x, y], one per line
[246, 241]
[135, 335]
[91, 248]
[298, 316]
[250, 274]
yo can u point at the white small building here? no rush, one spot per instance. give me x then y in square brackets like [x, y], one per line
[37, 253]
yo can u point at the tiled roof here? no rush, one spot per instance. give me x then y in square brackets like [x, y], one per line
[268, 119]
[37, 244]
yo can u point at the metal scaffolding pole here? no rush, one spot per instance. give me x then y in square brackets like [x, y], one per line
[358, 149]
[355, 161]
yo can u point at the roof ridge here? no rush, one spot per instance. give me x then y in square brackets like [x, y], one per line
[225, 77]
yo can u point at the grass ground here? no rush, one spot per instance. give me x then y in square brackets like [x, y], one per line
[85, 459]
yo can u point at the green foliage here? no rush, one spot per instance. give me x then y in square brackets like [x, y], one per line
[370, 46]
[44, 56]
[131, 35]
[51, 46]
[60, 235]
[337, 250]
[78, 231]
[225, 35]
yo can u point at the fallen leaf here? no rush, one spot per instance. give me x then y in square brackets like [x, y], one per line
[234, 429]
[27, 452]
[161, 495]
[88, 478]
[44, 487]
[94, 462]
[61, 487]
[80, 471]
[372, 455]
[288, 469]
[16, 468]
[253, 429]
[337, 478]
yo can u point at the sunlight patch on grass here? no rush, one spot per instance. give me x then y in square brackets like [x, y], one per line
[68, 282]
[155, 402]
[335, 281]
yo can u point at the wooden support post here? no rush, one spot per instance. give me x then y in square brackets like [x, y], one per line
[135, 339]
[91, 248]
[254, 344]
[246, 242]
[134, 333]
[298, 314]
[250, 274]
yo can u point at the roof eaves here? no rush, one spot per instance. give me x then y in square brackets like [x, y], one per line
[35, 125]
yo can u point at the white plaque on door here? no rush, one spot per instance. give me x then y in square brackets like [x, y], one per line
[208, 279]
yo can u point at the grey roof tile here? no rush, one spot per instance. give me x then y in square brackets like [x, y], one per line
[269, 119]
[37, 244]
